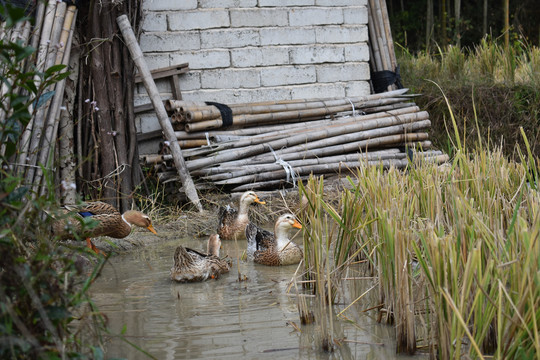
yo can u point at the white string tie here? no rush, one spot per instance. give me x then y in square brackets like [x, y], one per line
[286, 166]
[207, 138]
[352, 105]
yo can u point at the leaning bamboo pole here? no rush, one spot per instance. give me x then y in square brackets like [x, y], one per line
[137, 55]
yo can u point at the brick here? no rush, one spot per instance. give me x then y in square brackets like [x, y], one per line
[355, 15]
[287, 36]
[234, 96]
[156, 61]
[285, 3]
[202, 59]
[259, 17]
[317, 54]
[357, 88]
[315, 16]
[169, 5]
[226, 4]
[341, 34]
[154, 21]
[230, 78]
[229, 38]
[343, 72]
[288, 75]
[317, 91]
[148, 122]
[337, 3]
[357, 52]
[169, 41]
[190, 81]
[260, 56]
[203, 19]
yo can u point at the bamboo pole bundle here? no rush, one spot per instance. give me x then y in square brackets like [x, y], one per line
[211, 112]
[322, 168]
[41, 39]
[342, 123]
[227, 173]
[302, 138]
[53, 116]
[294, 115]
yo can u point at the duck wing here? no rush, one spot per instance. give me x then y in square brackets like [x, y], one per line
[258, 238]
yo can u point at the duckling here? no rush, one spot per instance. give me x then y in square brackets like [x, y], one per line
[191, 265]
[109, 222]
[274, 249]
[232, 223]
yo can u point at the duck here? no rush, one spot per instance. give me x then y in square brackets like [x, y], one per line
[232, 223]
[274, 249]
[191, 265]
[107, 219]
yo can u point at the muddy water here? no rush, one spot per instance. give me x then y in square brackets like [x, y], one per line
[217, 319]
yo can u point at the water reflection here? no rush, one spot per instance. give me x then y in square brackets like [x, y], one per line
[222, 319]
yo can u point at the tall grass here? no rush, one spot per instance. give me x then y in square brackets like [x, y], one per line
[455, 249]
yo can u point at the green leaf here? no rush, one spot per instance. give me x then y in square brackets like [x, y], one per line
[54, 69]
[43, 99]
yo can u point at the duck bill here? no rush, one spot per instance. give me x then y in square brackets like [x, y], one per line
[258, 201]
[151, 228]
[296, 224]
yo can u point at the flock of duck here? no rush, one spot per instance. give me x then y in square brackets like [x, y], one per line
[263, 247]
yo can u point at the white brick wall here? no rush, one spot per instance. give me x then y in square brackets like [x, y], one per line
[258, 50]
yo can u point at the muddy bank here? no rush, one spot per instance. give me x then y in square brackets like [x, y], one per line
[191, 223]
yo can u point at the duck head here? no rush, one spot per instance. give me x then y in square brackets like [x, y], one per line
[139, 219]
[214, 244]
[283, 224]
[250, 197]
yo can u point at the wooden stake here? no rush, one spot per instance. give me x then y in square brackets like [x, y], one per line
[137, 55]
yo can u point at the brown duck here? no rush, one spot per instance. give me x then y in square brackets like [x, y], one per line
[274, 249]
[108, 222]
[232, 223]
[191, 265]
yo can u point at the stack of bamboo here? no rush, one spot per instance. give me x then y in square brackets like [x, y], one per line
[271, 145]
[51, 36]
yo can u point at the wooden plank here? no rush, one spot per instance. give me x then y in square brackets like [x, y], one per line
[165, 72]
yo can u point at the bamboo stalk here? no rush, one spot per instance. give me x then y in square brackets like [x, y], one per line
[137, 55]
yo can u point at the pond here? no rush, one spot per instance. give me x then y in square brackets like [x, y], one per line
[217, 319]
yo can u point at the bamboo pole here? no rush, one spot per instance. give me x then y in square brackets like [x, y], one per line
[137, 55]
